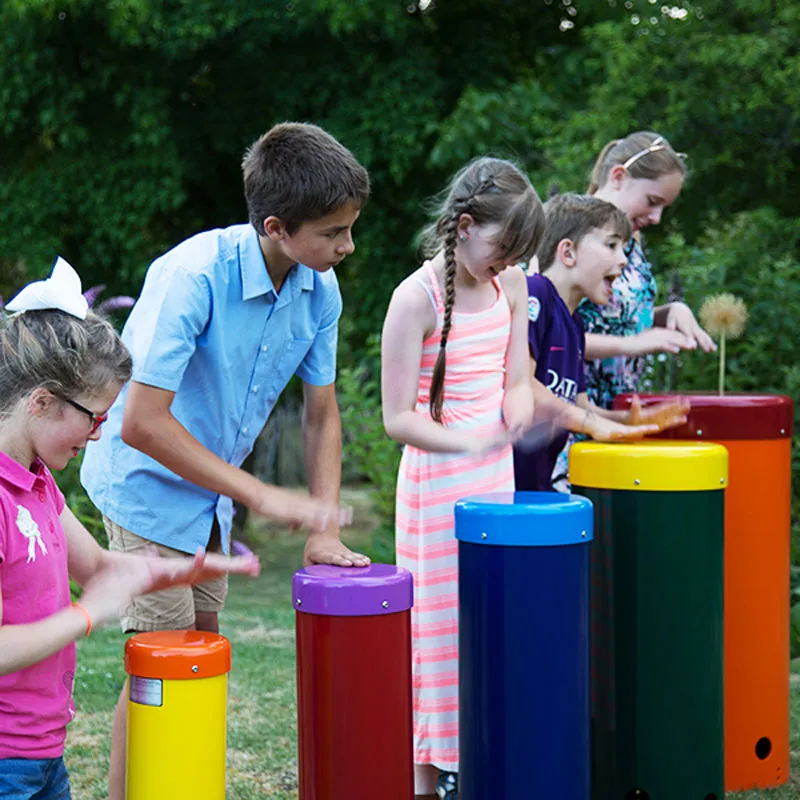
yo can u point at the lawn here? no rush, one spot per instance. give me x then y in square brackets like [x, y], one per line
[259, 621]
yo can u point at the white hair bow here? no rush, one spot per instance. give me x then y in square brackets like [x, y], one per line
[61, 291]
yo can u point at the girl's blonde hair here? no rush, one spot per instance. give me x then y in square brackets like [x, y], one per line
[644, 154]
[491, 191]
[58, 352]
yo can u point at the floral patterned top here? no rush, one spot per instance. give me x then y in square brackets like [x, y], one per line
[630, 311]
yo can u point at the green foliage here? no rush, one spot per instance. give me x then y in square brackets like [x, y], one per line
[123, 123]
[77, 500]
[753, 255]
[721, 83]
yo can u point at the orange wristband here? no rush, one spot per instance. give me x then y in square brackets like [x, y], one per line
[79, 607]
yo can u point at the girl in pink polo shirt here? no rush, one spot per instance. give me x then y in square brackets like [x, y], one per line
[61, 367]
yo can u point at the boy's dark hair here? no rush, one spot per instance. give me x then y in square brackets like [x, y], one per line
[572, 216]
[298, 172]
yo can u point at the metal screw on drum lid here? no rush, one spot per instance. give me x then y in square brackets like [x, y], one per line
[299, 601]
[385, 604]
[583, 533]
[722, 481]
[195, 668]
[783, 431]
[699, 431]
[636, 482]
[483, 535]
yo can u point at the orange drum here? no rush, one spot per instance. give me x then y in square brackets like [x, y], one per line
[757, 432]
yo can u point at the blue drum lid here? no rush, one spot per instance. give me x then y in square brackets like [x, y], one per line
[524, 519]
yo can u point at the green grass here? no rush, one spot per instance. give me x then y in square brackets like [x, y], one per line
[262, 710]
[259, 621]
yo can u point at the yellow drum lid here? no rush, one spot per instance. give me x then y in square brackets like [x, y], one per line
[649, 465]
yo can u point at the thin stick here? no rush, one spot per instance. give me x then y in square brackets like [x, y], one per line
[722, 365]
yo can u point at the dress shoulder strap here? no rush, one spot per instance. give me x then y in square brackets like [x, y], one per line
[437, 292]
[428, 291]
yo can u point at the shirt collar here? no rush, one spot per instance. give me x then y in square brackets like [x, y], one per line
[14, 473]
[255, 278]
[305, 277]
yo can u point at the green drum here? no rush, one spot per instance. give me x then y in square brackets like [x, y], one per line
[656, 617]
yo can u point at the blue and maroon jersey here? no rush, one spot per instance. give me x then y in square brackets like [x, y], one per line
[557, 344]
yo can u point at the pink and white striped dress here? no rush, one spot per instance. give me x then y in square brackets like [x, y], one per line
[428, 486]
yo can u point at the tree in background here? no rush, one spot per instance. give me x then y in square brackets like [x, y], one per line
[123, 123]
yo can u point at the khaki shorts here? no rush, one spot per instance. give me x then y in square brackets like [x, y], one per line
[169, 609]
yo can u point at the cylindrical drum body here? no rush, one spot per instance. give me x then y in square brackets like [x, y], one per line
[656, 617]
[757, 432]
[524, 645]
[354, 682]
[177, 705]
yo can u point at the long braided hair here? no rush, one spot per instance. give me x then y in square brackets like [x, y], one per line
[491, 191]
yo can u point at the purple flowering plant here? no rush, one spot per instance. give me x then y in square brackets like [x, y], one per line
[106, 307]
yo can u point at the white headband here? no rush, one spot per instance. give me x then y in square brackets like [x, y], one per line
[656, 145]
[61, 292]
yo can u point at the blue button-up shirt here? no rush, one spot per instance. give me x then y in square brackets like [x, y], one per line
[210, 327]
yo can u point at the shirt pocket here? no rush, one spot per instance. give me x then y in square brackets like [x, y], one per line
[295, 350]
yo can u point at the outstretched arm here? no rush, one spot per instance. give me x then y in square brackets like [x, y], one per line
[654, 340]
[110, 581]
[679, 317]
[149, 425]
[609, 425]
[585, 417]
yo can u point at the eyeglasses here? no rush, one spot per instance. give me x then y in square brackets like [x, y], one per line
[97, 419]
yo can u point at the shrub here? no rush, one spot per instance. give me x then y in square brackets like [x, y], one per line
[753, 255]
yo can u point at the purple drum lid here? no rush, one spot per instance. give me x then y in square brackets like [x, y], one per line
[352, 591]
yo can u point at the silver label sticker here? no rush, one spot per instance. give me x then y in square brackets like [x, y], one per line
[146, 691]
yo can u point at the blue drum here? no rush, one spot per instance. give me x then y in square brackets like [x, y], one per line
[524, 646]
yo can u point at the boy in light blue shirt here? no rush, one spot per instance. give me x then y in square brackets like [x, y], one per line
[223, 322]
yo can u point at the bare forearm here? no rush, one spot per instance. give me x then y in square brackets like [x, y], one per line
[169, 443]
[600, 345]
[322, 449]
[588, 405]
[409, 427]
[23, 645]
[550, 407]
[518, 406]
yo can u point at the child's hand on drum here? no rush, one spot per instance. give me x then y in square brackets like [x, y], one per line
[668, 414]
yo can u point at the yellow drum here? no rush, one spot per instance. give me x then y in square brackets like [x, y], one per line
[177, 705]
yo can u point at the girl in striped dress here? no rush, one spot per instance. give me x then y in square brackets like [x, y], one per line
[456, 393]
